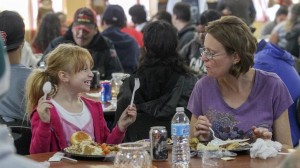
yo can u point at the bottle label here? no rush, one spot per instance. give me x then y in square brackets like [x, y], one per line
[180, 130]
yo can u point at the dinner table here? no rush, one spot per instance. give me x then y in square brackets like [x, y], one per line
[240, 161]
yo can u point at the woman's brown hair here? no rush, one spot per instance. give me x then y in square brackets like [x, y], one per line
[236, 37]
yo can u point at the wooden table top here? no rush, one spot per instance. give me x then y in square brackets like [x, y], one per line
[241, 161]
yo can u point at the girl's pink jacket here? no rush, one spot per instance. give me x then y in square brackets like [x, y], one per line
[49, 137]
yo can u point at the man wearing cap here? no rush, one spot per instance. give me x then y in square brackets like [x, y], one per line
[127, 48]
[84, 32]
[12, 32]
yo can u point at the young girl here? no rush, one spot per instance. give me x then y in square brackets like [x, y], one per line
[54, 120]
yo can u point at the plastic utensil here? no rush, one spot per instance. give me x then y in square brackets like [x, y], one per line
[216, 141]
[136, 87]
[46, 89]
[58, 156]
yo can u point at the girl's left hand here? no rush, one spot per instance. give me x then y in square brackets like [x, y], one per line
[260, 132]
[128, 117]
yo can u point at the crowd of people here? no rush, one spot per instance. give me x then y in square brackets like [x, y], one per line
[208, 62]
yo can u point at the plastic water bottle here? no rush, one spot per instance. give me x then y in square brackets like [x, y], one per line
[180, 131]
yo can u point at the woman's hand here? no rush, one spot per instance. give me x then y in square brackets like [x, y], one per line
[201, 128]
[260, 132]
[128, 117]
[43, 110]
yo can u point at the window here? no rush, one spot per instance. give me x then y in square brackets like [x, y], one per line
[28, 10]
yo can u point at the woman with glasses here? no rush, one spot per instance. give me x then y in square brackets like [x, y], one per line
[234, 99]
[190, 51]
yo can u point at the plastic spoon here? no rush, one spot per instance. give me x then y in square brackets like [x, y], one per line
[46, 89]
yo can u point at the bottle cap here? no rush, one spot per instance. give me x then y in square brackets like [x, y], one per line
[179, 109]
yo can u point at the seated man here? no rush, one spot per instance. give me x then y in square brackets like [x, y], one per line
[84, 32]
[271, 58]
[181, 19]
[113, 20]
[12, 106]
[280, 16]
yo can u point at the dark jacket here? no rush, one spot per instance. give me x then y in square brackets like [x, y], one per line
[191, 56]
[127, 48]
[293, 39]
[102, 50]
[161, 91]
[186, 34]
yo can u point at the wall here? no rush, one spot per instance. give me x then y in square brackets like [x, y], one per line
[70, 7]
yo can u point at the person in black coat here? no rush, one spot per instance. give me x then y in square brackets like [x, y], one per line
[165, 83]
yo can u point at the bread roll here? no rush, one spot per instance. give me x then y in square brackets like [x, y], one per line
[80, 136]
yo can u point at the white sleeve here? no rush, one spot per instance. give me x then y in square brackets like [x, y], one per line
[202, 6]
[28, 58]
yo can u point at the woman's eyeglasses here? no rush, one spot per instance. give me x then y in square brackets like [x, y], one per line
[208, 54]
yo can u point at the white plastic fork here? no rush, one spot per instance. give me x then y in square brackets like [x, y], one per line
[136, 87]
[216, 141]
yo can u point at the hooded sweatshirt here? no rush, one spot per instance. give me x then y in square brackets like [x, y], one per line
[127, 48]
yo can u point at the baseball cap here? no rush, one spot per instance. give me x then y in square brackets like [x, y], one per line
[12, 29]
[114, 14]
[85, 18]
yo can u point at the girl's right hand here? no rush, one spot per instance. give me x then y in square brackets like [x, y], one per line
[43, 110]
[201, 128]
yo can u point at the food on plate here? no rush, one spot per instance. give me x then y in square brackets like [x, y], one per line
[193, 143]
[235, 145]
[232, 145]
[82, 143]
[91, 148]
[85, 148]
[79, 136]
[108, 149]
[209, 146]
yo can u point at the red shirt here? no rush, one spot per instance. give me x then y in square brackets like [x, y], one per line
[138, 36]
